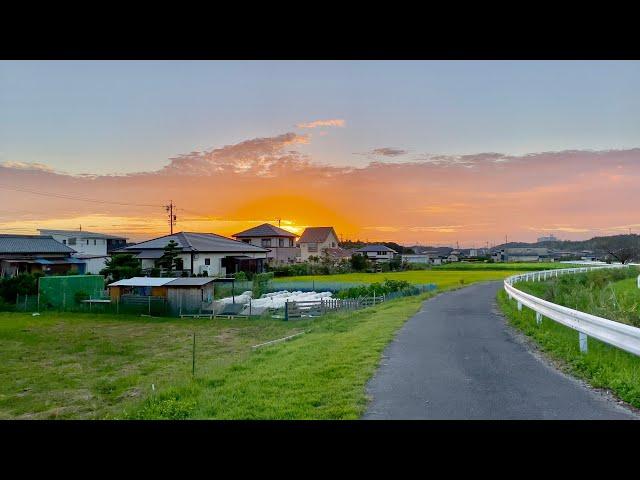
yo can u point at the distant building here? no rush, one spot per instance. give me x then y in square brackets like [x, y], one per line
[416, 258]
[377, 253]
[550, 238]
[90, 247]
[522, 254]
[202, 252]
[36, 254]
[279, 242]
[314, 240]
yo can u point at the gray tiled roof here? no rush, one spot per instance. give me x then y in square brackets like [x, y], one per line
[197, 242]
[79, 233]
[376, 248]
[31, 244]
[265, 230]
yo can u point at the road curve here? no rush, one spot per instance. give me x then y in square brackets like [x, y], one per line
[457, 359]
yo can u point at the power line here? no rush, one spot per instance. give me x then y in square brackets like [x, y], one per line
[70, 197]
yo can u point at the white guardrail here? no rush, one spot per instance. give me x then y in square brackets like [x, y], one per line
[618, 334]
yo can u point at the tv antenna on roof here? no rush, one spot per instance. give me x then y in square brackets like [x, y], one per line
[279, 220]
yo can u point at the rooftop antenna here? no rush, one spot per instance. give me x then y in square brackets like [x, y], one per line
[279, 220]
[80, 227]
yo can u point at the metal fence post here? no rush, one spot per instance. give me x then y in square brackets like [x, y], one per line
[538, 318]
[519, 305]
[582, 337]
[286, 311]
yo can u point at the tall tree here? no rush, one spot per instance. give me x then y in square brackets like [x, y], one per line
[121, 266]
[168, 258]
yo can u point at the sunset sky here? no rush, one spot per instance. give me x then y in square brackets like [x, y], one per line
[413, 152]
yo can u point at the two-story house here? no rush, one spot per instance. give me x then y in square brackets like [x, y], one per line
[377, 253]
[90, 247]
[280, 243]
[314, 241]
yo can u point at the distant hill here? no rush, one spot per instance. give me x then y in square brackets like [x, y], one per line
[595, 244]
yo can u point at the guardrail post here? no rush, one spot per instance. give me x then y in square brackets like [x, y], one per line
[519, 305]
[538, 318]
[582, 337]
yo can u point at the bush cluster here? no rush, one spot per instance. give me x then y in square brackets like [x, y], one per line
[379, 289]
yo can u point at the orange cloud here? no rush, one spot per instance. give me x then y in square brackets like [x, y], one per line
[472, 199]
[322, 123]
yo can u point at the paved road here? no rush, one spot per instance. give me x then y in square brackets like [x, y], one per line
[456, 359]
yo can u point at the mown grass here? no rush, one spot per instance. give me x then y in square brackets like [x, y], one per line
[93, 366]
[603, 366]
[82, 366]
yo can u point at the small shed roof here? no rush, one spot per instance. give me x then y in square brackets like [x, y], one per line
[190, 282]
[142, 282]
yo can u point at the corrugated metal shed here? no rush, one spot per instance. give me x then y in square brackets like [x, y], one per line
[31, 244]
[142, 282]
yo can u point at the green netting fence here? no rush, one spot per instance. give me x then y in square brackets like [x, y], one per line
[67, 292]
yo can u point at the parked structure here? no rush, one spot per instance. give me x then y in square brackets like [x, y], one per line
[36, 253]
[377, 253]
[416, 258]
[202, 252]
[280, 243]
[522, 254]
[183, 295]
[314, 240]
[92, 248]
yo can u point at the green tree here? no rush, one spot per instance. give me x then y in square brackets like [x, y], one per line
[168, 258]
[121, 266]
[359, 263]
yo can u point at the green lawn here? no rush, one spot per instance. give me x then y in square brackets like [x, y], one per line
[102, 366]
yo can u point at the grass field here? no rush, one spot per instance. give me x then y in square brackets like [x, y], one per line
[444, 277]
[81, 366]
[603, 366]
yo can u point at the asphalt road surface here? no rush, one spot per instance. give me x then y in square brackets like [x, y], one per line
[457, 359]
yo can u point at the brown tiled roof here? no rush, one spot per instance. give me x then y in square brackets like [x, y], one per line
[316, 234]
[337, 252]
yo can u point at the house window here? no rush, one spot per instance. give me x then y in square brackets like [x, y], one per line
[246, 240]
[64, 242]
[94, 242]
[72, 241]
[207, 261]
[281, 242]
[87, 241]
[291, 242]
[333, 244]
[312, 246]
[266, 242]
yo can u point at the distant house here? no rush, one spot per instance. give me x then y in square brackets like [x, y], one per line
[280, 243]
[36, 253]
[202, 252]
[92, 248]
[377, 253]
[314, 240]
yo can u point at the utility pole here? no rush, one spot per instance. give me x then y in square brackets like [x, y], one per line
[172, 218]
